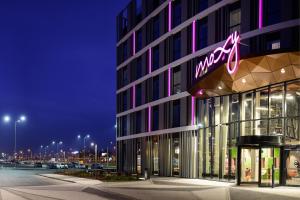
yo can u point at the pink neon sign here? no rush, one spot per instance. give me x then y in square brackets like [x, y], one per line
[230, 48]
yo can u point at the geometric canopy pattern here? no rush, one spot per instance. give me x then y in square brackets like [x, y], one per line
[252, 73]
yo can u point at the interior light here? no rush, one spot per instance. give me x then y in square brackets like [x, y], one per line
[282, 70]
[219, 87]
[243, 80]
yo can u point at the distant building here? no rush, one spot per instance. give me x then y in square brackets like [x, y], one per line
[210, 89]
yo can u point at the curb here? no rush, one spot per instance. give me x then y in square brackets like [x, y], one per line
[56, 178]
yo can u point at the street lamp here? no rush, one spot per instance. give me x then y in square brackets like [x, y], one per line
[85, 137]
[96, 146]
[22, 119]
[29, 151]
[41, 149]
[57, 144]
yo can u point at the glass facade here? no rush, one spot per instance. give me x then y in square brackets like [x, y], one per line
[194, 137]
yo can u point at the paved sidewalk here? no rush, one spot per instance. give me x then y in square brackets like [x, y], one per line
[72, 179]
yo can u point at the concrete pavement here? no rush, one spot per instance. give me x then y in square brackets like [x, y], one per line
[28, 185]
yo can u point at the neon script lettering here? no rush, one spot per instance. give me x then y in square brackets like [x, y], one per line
[230, 48]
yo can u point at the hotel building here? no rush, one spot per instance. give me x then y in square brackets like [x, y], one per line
[210, 89]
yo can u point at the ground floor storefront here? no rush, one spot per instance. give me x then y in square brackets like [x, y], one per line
[248, 138]
[167, 155]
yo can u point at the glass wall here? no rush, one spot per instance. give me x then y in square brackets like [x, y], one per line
[272, 110]
[293, 167]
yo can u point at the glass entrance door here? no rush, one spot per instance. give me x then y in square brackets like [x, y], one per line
[249, 165]
[270, 168]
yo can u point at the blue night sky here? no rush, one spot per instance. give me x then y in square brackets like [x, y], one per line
[57, 66]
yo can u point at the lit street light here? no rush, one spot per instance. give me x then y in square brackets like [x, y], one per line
[7, 119]
[96, 146]
[84, 139]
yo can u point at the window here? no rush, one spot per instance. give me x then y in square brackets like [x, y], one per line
[156, 30]
[124, 100]
[176, 13]
[156, 88]
[272, 11]
[176, 80]
[292, 100]
[124, 126]
[202, 33]
[138, 96]
[138, 121]
[235, 20]
[124, 21]
[276, 105]
[155, 57]
[138, 10]
[139, 40]
[125, 76]
[273, 41]
[139, 67]
[202, 5]
[177, 46]
[155, 118]
[125, 48]
[176, 113]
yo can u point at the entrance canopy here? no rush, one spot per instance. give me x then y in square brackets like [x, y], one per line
[252, 73]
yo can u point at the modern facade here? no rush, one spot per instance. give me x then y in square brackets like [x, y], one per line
[210, 89]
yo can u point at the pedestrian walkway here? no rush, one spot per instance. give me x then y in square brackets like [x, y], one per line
[72, 179]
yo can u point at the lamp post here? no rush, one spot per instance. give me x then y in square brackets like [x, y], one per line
[96, 146]
[84, 139]
[41, 149]
[7, 119]
[57, 144]
[107, 154]
[29, 152]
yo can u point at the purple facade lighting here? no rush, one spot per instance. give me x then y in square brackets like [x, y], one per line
[149, 119]
[150, 60]
[133, 96]
[194, 36]
[260, 14]
[169, 81]
[133, 43]
[170, 16]
[193, 110]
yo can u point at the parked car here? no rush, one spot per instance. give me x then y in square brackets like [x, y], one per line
[38, 165]
[71, 165]
[80, 166]
[61, 166]
[96, 166]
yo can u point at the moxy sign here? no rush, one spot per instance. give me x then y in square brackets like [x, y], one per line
[230, 48]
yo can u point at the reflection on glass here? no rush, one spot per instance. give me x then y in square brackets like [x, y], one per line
[293, 167]
[138, 159]
[293, 111]
[261, 112]
[155, 156]
[247, 113]
[270, 157]
[249, 165]
[176, 152]
[276, 101]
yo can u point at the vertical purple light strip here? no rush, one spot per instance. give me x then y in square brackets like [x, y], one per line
[150, 60]
[169, 81]
[133, 43]
[193, 110]
[260, 12]
[194, 36]
[133, 96]
[149, 119]
[170, 16]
